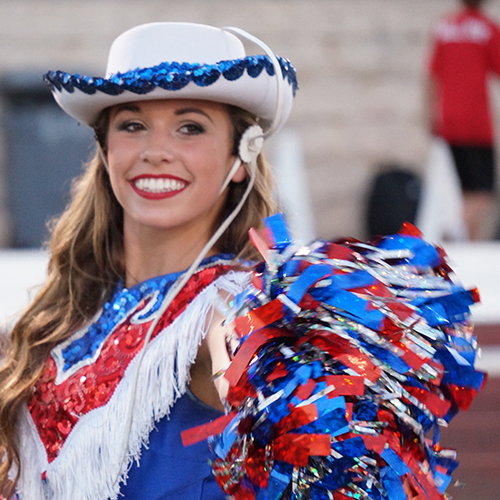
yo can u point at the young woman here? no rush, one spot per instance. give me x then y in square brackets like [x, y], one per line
[110, 363]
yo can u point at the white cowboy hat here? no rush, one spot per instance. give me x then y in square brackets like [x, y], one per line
[181, 61]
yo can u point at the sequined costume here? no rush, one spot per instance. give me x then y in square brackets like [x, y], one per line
[72, 431]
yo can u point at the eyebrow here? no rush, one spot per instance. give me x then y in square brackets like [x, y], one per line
[184, 111]
[135, 108]
[127, 107]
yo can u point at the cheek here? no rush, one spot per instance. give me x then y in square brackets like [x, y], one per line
[117, 163]
[226, 159]
[121, 148]
[121, 157]
[212, 162]
[114, 171]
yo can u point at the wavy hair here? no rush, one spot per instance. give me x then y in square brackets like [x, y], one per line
[86, 262]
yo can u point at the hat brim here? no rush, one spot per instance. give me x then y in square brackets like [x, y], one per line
[249, 83]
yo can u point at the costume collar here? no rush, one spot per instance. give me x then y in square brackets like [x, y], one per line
[84, 346]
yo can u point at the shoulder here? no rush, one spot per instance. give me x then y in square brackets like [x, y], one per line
[465, 27]
[493, 25]
[445, 26]
[227, 273]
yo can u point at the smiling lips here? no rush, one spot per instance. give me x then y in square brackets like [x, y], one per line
[154, 187]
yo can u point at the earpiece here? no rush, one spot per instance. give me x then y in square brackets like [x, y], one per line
[251, 144]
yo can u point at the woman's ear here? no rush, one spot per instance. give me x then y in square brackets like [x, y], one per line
[240, 174]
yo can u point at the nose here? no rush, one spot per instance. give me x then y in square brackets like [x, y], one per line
[158, 148]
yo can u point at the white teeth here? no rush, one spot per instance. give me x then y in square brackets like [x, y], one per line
[158, 185]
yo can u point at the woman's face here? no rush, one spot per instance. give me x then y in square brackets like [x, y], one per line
[167, 162]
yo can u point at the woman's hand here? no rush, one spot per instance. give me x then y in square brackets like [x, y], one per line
[221, 341]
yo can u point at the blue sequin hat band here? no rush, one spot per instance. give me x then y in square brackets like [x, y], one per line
[143, 65]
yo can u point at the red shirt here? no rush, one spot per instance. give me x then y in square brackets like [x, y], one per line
[466, 50]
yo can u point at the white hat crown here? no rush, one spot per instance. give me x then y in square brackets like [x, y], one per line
[151, 44]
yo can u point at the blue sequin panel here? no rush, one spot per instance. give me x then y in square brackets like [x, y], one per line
[123, 302]
[170, 76]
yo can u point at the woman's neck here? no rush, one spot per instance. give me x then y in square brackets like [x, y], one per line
[152, 252]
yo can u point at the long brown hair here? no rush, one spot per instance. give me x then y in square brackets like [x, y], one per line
[86, 262]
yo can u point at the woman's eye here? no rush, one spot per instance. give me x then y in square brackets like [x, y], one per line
[192, 129]
[131, 126]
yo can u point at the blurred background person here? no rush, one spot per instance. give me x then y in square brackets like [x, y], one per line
[465, 53]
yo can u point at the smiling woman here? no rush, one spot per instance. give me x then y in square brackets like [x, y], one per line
[112, 355]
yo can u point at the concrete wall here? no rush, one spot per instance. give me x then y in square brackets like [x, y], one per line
[360, 66]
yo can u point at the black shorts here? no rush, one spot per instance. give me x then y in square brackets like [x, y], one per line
[475, 166]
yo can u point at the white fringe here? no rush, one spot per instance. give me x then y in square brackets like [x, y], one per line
[87, 466]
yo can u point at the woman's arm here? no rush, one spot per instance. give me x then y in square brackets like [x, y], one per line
[431, 113]
[220, 340]
[207, 380]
